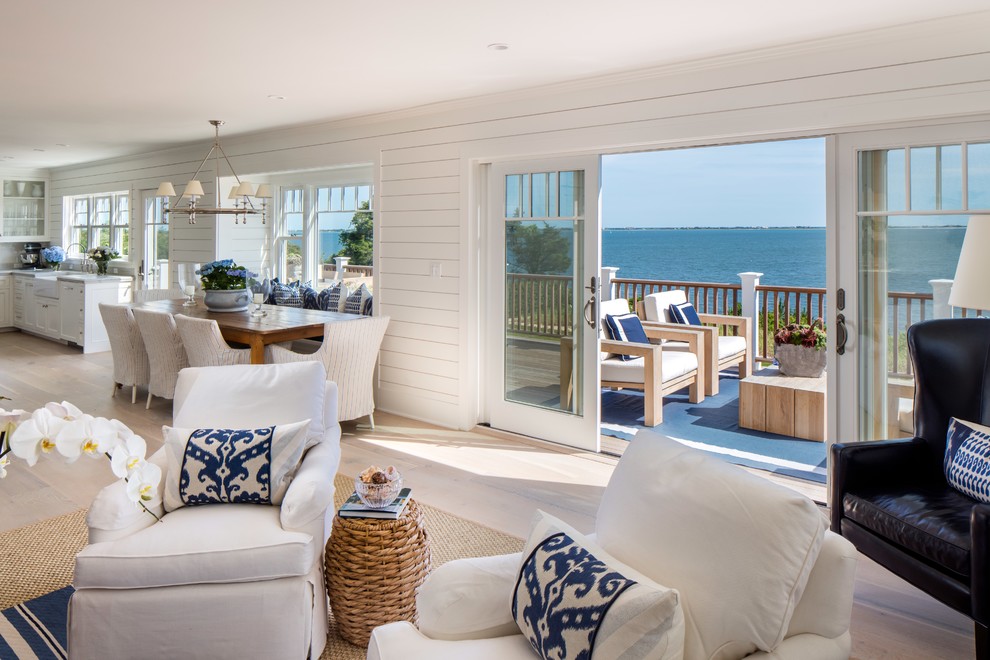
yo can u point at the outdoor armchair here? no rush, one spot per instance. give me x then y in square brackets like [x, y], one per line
[655, 371]
[721, 350]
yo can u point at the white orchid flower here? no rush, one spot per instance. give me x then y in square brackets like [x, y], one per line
[128, 456]
[10, 419]
[64, 410]
[36, 436]
[4, 462]
[92, 436]
[142, 485]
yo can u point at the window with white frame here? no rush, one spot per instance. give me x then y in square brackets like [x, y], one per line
[313, 225]
[95, 220]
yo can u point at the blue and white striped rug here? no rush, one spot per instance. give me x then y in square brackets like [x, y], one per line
[36, 628]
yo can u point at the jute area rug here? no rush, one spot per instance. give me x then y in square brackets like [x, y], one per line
[37, 559]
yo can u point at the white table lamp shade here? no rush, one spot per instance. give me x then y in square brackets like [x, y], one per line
[971, 286]
[264, 191]
[246, 189]
[165, 189]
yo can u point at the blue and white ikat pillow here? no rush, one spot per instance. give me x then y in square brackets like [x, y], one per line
[354, 304]
[231, 466]
[574, 600]
[967, 459]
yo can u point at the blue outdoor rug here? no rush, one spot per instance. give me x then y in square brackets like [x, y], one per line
[36, 628]
[713, 426]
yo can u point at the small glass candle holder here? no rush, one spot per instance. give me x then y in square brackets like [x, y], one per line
[190, 292]
[258, 298]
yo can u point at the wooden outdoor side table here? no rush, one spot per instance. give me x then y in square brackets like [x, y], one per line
[786, 405]
[373, 569]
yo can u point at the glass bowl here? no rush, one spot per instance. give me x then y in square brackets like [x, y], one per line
[377, 496]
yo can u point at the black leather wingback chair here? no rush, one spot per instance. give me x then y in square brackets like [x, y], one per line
[891, 499]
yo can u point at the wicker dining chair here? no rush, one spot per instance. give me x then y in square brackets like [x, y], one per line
[130, 359]
[205, 346]
[166, 355]
[349, 352]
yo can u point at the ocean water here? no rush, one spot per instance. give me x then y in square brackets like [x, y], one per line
[786, 257]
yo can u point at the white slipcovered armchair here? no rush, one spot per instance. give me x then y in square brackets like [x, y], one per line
[757, 572]
[217, 580]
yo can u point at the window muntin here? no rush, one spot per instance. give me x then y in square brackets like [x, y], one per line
[100, 219]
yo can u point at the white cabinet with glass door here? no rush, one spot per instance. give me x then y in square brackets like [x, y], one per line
[905, 198]
[25, 210]
[544, 257]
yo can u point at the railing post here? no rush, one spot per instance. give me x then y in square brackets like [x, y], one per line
[940, 299]
[751, 309]
[341, 264]
[608, 274]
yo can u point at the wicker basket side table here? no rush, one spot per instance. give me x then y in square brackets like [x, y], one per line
[373, 570]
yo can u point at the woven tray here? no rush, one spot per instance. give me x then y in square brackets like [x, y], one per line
[373, 569]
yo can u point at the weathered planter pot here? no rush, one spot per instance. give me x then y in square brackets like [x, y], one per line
[232, 300]
[800, 361]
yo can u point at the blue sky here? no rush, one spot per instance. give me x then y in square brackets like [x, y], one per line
[771, 184]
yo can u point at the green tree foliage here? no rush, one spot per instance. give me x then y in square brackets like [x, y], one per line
[356, 240]
[538, 250]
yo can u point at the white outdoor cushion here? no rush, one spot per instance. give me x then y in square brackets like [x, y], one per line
[656, 305]
[254, 395]
[737, 547]
[727, 346]
[195, 545]
[227, 465]
[644, 621]
[674, 364]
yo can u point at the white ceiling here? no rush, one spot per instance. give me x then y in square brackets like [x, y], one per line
[112, 77]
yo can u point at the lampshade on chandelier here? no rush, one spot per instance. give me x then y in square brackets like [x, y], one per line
[241, 194]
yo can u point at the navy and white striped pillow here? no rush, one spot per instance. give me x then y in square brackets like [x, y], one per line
[287, 295]
[332, 298]
[626, 327]
[685, 314]
[967, 459]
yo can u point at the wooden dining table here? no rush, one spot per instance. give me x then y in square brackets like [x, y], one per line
[278, 324]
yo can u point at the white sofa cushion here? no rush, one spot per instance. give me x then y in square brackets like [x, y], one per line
[573, 599]
[737, 547]
[296, 393]
[219, 466]
[656, 305]
[674, 364]
[195, 545]
[469, 598]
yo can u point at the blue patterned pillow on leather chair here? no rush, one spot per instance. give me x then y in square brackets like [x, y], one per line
[967, 459]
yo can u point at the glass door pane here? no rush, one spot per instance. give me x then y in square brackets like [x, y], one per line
[543, 274]
[545, 228]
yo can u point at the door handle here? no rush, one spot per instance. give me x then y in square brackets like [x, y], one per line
[590, 317]
[841, 334]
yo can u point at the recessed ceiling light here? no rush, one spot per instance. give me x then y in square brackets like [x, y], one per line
[498, 46]
[276, 97]
[61, 144]
[37, 149]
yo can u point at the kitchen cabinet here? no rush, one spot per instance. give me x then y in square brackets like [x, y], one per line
[66, 307]
[6, 302]
[24, 204]
[72, 309]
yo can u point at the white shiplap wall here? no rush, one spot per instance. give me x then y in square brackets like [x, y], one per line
[427, 163]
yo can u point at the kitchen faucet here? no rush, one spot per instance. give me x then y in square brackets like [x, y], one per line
[88, 265]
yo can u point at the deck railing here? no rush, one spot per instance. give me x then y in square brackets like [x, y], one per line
[539, 305]
[329, 271]
[542, 305]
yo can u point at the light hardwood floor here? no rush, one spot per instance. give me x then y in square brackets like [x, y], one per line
[495, 479]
